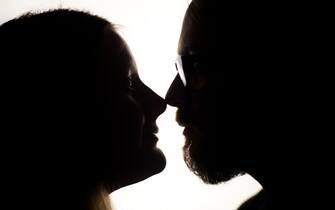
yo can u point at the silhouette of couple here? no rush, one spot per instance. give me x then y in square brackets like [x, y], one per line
[80, 124]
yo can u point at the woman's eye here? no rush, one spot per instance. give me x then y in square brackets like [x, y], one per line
[130, 84]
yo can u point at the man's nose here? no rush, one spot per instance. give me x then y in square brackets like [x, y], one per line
[176, 93]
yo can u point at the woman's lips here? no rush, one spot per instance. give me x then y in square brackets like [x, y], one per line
[149, 138]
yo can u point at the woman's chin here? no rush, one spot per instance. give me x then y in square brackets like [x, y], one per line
[148, 164]
[155, 162]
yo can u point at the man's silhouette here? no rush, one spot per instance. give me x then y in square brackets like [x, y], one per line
[242, 96]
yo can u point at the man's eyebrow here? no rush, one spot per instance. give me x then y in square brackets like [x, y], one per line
[191, 51]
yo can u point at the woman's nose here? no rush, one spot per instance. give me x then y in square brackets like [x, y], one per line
[161, 104]
[176, 93]
[157, 104]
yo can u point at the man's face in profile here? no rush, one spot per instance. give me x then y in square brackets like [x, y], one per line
[198, 96]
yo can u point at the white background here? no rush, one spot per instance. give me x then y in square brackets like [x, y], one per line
[151, 28]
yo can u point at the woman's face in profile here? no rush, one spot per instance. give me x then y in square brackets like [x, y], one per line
[133, 111]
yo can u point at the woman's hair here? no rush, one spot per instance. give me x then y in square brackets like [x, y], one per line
[49, 64]
[53, 35]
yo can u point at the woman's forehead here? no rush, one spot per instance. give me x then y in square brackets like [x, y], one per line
[116, 51]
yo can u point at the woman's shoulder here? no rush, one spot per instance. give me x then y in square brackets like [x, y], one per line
[256, 202]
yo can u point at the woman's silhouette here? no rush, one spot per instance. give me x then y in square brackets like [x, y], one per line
[78, 121]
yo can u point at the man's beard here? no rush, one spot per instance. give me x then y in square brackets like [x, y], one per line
[209, 160]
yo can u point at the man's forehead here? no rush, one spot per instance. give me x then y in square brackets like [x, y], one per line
[197, 35]
[193, 40]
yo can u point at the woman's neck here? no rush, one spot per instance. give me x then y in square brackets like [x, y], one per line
[99, 200]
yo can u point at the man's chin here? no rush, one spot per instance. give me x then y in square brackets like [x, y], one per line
[208, 164]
